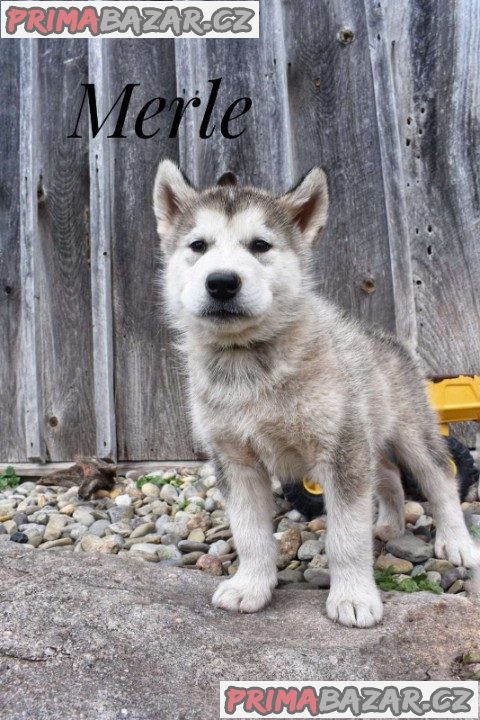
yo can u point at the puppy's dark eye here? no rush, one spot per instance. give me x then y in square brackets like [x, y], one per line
[198, 246]
[259, 246]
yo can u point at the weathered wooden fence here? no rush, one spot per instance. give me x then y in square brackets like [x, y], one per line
[385, 94]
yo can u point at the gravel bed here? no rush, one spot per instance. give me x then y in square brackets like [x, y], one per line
[178, 517]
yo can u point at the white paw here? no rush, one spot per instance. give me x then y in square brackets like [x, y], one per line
[354, 607]
[457, 546]
[242, 594]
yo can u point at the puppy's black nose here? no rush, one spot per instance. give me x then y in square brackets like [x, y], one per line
[223, 285]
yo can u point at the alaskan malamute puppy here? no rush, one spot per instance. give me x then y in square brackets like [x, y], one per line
[281, 382]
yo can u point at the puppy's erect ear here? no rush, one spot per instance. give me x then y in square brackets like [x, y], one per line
[171, 195]
[307, 204]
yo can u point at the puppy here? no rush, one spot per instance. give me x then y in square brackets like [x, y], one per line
[282, 382]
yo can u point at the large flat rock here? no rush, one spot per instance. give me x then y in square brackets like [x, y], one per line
[107, 638]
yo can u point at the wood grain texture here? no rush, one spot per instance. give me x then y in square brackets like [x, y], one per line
[334, 124]
[64, 255]
[101, 194]
[30, 360]
[12, 436]
[392, 174]
[248, 68]
[435, 48]
[384, 95]
[437, 78]
[151, 411]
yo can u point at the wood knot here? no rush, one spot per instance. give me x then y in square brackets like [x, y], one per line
[346, 36]
[368, 286]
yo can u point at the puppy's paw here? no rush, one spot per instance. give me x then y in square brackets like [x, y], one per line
[355, 607]
[242, 594]
[457, 546]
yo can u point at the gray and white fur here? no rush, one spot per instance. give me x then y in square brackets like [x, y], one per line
[282, 383]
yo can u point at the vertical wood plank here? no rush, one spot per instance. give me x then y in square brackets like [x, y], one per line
[151, 412]
[334, 124]
[12, 435]
[435, 49]
[392, 175]
[64, 254]
[29, 253]
[101, 191]
[248, 68]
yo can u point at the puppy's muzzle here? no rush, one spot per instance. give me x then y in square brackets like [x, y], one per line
[223, 286]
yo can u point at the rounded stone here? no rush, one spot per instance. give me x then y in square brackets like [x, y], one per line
[161, 525]
[111, 544]
[197, 536]
[83, 516]
[143, 529]
[456, 587]
[191, 558]
[440, 566]
[220, 547]
[20, 519]
[19, 537]
[159, 507]
[90, 543]
[192, 546]
[169, 493]
[318, 577]
[119, 513]
[55, 526]
[147, 551]
[77, 531]
[210, 564]
[308, 549]
[99, 527]
[122, 528]
[151, 490]
[201, 520]
[68, 509]
[318, 561]
[290, 542]
[414, 508]
[287, 576]
[410, 547]
[434, 577]
[399, 565]
[168, 552]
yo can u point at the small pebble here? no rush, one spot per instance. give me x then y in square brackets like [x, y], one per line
[143, 529]
[19, 537]
[220, 547]
[210, 564]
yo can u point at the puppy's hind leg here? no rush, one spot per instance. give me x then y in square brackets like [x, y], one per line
[248, 496]
[424, 454]
[391, 501]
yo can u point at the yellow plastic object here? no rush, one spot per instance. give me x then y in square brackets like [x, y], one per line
[456, 399]
[312, 487]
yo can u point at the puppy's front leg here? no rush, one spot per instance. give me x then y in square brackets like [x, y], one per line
[248, 496]
[354, 599]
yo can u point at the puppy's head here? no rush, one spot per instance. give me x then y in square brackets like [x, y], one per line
[237, 258]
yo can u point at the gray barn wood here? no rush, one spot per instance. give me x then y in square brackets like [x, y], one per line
[384, 94]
